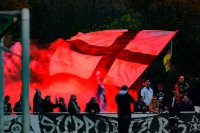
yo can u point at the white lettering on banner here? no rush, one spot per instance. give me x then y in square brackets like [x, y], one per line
[162, 124]
[132, 123]
[16, 128]
[181, 125]
[49, 123]
[149, 121]
[13, 124]
[143, 126]
[67, 120]
[88, 123]
[97, 125]
[146, 125]
[107, 125]
[114, 124]
[66, 123]
[194, 124]
[59, 119]
[7, 125]
[78, 123]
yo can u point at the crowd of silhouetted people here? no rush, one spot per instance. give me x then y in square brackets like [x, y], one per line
[46, 105]
[149, 99]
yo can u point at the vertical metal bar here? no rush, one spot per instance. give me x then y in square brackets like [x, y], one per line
[25, 35]
[171, 47]
[1, 88]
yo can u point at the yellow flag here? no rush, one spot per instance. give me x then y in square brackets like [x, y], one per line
[166, 61]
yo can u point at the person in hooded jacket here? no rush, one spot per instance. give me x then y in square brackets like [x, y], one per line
[7, 105]
[124, 100]
[174, 112]
[37, 102]
[92, 106]
[47, 105]
[62, 105]
[73, 106]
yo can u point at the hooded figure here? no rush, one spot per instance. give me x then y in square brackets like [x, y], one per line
[123, 100]
[92, 106]
[47, 105]
[37, 102]
[73, 106]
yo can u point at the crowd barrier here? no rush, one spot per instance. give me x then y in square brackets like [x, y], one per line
[189, 122]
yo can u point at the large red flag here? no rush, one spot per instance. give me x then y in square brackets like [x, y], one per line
[123, 54]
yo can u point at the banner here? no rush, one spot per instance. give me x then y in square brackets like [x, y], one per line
[102, 123]
[13, 124]
[123, 54]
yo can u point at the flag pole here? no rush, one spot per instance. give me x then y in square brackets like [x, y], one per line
[171, 44]
[25, 35]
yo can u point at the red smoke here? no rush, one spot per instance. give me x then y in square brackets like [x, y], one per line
[59, 85]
